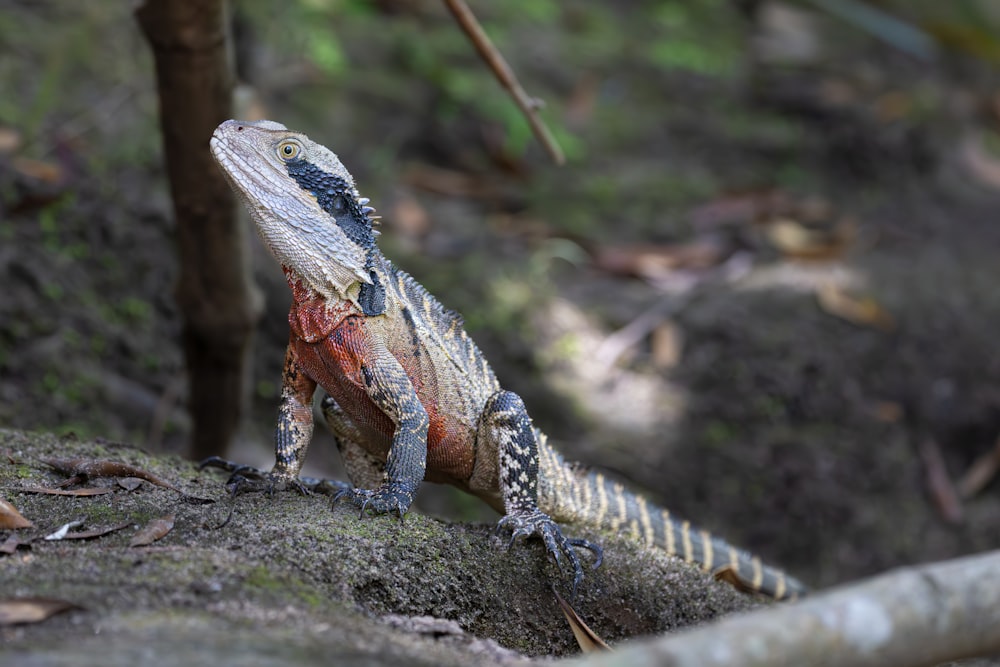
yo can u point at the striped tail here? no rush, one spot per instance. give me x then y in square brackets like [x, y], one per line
[596, 500]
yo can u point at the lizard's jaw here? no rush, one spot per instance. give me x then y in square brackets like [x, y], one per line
[289, 219]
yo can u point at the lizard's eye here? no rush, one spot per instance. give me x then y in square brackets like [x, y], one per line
[288, 150]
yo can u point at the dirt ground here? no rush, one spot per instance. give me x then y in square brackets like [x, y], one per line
[811, 385]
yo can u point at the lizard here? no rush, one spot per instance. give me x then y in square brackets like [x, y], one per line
[409, 396]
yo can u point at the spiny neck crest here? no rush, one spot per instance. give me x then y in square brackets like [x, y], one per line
[337, 197]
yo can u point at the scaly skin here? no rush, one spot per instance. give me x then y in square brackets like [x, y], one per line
[409, 395]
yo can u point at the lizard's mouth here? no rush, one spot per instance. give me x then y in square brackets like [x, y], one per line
[215, 144]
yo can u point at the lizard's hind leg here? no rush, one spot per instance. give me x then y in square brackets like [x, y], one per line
[506, 428]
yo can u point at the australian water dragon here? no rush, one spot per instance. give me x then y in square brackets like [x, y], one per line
[409, 395]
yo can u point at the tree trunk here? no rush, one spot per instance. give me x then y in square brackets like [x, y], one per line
[216, 295]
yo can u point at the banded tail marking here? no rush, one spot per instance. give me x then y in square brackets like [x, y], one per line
[605, 503]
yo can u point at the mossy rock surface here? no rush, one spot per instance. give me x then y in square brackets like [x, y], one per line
[287, 579]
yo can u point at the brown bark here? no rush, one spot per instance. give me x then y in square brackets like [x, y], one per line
[215, 293]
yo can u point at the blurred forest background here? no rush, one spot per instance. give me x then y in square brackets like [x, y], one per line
[763, 289]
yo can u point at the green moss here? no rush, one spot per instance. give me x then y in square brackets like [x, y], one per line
[263, 579]
[100, 513]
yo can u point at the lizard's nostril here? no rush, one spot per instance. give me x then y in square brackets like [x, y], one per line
[239, 128]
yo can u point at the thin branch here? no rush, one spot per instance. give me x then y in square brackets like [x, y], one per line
[528, 105]
[910, 617]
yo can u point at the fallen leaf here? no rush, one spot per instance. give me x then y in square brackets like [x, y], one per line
[585, 637]
[153, 531]
[31, 609]
[11, 544]
[130, 483]
[655, 260]
[10, 518]
[89, 491]
[96, 532]
[798, 241]
[63, 530]
[864, 311]
[47, 172]
[86, 468]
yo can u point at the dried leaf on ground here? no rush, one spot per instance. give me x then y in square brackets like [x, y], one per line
[796, 240]
[86, 468]
[46, 172]
[10, 518]
[585, 637]
[63, 531]
[96, 532]
[130, 483]
[31, 609]
[89, 491]
[863, 311]
[651, 261]
[11, 544]
[153, 531]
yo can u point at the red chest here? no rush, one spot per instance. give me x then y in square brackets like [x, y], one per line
[331, 345]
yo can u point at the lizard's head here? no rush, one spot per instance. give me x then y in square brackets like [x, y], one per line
[304, 203]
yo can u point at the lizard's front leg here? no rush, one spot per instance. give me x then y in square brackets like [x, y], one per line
[292, 436]
[506, 428]
[389, 388]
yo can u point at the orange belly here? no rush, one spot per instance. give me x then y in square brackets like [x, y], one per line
[334, 362]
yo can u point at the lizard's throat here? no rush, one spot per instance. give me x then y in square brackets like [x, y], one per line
[325, 260]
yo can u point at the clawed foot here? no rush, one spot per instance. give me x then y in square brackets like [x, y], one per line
[247, 479]
[535, 522]
[393, 497]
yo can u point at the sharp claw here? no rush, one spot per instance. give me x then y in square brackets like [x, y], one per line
[213, 462]
[591, 547]
[577, 578]
[559, 548]
[234, 483]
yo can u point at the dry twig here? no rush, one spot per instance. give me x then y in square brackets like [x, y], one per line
[528, 105]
